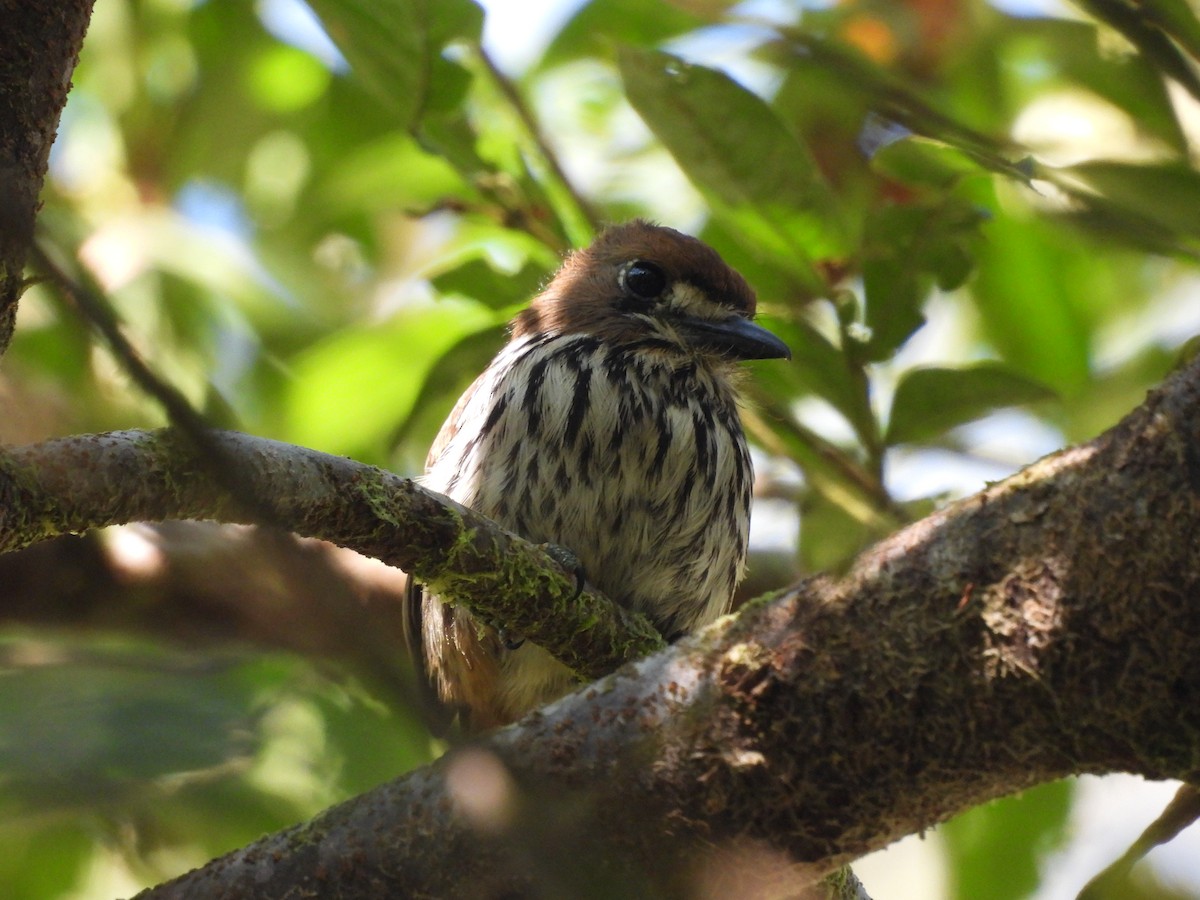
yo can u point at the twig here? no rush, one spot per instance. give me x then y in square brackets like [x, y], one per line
[583, 208]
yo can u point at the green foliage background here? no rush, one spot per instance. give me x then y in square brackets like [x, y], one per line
[947, 211]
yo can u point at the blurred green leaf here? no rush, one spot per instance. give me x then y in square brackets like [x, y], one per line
[393, 47]
[930, 401]
[386, 46]
[892, 98]
[1167, 194]
[445, 382]
[1111, 224]
[995, 849]
[908, 248]
[952, 262]
[1178, 19]
[451, 20]
[349, 391]
[285, 79]
[372, 745]
[895, 291]
[392, 173]
[446, 127]
[831, 471]
[758, 177]
[57, 349]
[1145, 34]
[773, 284]
[1060, 56]
[481, 281]
[1114, 391]
[598, 23]
[46, 861]
[924, 162]
[119, 748]
[99, 721]
[1031, 289]
[452, 136]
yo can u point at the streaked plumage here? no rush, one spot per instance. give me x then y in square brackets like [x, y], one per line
[608, 425]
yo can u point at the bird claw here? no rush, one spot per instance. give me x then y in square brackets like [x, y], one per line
[566, 558]
[510, 641]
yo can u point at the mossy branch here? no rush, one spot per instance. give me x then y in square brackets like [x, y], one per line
[89, 481]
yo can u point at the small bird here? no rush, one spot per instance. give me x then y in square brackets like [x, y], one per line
[607, 425]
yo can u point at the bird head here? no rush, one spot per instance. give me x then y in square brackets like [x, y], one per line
[640, 281]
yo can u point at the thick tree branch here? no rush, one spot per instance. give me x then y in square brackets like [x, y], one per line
[88, 481]
[37, 56]
[1046, 626]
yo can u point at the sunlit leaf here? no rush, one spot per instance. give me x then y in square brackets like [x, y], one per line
[286, 79]
[351, 390]
[45, 861]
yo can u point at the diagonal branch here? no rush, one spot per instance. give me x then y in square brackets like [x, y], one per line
[88, 481]
[1044, 627]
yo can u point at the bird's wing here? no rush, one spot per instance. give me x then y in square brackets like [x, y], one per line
[453, 421]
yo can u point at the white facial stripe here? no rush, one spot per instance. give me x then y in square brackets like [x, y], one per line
[690, 300]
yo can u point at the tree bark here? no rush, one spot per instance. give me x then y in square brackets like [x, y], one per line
[37, 56]
[1046, 626]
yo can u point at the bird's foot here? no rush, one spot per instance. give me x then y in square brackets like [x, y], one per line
[566, 558]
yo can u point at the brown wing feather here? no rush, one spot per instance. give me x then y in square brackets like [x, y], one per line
[451, 425]
[438, 715]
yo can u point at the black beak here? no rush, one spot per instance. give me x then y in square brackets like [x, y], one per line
[735, 337]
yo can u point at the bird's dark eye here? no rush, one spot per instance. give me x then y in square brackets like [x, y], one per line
[644, 279]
